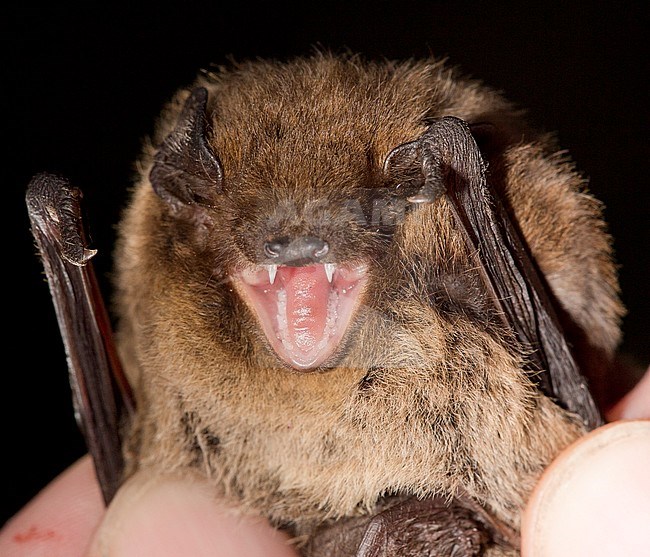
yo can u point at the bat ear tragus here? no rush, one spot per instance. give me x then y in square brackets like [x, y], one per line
[186, 172]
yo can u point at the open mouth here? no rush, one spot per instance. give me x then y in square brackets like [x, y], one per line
[304, 311]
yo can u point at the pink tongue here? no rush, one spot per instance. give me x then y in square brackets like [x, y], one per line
[307, 290]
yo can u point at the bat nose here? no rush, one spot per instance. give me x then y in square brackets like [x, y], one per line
[296, 252]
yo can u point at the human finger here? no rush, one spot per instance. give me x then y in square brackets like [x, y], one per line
[176, 517]
[594, 500]
[60, 519]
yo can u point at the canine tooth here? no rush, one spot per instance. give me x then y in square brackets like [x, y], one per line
[272, 269]
[329, 270]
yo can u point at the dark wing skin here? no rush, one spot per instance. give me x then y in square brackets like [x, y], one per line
[101, 395]
[518, 288]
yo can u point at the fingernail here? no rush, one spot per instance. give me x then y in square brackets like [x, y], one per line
[594, 500]
[171, 517]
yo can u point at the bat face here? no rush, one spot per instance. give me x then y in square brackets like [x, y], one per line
[302, 204]
[308, 251]
[302, 264]
[285, 222]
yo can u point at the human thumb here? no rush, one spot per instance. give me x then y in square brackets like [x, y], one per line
[594, 500]
[175, 517]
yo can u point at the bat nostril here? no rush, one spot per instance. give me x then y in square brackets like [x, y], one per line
[274, 248]
[319, 248]
[310, 248]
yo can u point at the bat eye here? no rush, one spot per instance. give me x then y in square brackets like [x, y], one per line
[298, 251]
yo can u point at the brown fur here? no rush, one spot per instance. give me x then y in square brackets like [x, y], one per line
[429, 394]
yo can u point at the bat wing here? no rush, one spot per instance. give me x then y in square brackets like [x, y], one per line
[101, 395]
[450, 164]
[413, 528]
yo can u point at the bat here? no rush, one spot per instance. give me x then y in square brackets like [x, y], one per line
[365, 300]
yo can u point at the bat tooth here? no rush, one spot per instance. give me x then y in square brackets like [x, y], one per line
[329, 270]
[272, 270]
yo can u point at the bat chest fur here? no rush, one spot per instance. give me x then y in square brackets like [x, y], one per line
[321, 463]
[305, 447]
[419, 405]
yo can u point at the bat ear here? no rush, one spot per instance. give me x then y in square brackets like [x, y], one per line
[186, 171]
[415, 167]
[401, 164]
[421, 166]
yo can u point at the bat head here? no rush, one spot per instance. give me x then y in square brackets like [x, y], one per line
[282, 211]
[295, 228]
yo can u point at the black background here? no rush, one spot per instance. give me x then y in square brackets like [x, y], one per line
[81, 91]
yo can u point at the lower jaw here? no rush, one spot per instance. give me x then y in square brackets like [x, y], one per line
[325, 349]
